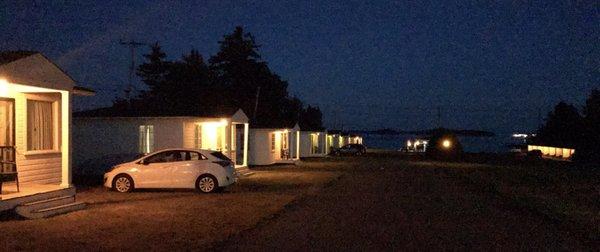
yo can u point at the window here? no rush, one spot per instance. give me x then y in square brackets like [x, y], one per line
[196, 156]
[146, 138]
[40, 125]
[314, 143]
[272, 142]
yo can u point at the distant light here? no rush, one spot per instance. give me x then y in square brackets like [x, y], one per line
[446, 143]
[417, 142]
[520, 135]
[408, 143]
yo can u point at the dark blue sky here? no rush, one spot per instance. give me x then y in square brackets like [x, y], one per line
[491, 65]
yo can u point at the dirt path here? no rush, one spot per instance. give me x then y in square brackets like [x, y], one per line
[383, 204]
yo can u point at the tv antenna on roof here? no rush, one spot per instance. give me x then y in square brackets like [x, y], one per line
[132, 46]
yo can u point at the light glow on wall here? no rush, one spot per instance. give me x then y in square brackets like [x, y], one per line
[213, 135]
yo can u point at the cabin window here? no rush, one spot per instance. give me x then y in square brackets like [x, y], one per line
[272, 142]
[314, 143]
[40, 125]
[146, 138]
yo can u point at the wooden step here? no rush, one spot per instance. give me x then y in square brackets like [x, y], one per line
[56, 210]
[7, 204]
[47, 203]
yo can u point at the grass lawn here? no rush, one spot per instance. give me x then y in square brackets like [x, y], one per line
[406, 201]
[164, 220]
[566, 193]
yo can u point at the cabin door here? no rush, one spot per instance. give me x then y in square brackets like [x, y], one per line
[285, 152]
[7, 132]
[239, 146]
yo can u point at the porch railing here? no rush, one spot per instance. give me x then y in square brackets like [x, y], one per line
[8, 165]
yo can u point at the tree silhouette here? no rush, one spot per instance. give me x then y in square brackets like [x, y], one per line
[250, 84]
[235, 77]
[563, 127]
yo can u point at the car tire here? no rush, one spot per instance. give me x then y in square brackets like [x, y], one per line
[123, 183]
[207, 184]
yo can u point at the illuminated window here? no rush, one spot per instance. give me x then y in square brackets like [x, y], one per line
[146, 138]
[40, 125]
[272, 142]
[314, 143]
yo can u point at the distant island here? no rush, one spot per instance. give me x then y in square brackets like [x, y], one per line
[458, 132]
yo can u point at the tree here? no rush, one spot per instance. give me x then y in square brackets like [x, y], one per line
[311, 118]
[588, 148]
[249, 83]
[563, 127]
[154, 71]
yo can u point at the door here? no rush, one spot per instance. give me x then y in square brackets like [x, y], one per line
[285, 152]
[239, 138]
[156, 171]
[7, 134]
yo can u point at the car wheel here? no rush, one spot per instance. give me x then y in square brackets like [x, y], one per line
[207, 184]
[123, 183]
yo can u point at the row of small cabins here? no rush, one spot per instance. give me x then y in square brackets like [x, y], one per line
[40, 140]
[107, 133]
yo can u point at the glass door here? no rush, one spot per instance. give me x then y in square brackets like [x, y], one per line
[7, 133]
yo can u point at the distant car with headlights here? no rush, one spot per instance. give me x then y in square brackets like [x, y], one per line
[350, 149]
[204, 170]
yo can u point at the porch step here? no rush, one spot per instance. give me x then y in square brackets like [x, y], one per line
[49, 204]
[42, 204]
[7, 204]
[52, 211]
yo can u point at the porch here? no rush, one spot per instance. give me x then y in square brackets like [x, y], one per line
[27, 193]
[34, 142]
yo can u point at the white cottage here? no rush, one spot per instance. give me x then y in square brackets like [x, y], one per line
[272, 145]
[313, 143]
[109, 135]
[35, 139]
[335, 139]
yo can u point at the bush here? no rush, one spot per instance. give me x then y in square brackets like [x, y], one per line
[444, 145]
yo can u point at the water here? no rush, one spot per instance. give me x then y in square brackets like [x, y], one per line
[495, 144]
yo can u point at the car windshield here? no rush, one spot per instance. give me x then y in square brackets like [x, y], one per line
[220, 155]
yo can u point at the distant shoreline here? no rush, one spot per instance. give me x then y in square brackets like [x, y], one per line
[458, 132]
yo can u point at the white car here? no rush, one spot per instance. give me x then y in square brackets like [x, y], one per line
[204, 170]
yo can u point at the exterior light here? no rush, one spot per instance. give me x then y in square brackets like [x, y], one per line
[3, 87]
[408, 143]
[224, 121]
[417, 142]
[446, 143]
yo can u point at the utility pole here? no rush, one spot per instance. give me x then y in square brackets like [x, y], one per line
[132, 46]
[256, 104]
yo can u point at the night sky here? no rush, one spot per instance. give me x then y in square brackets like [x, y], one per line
[492, 65]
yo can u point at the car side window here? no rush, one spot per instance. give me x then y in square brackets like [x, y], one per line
[156, 158]
[196, 156]
[166, 157]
